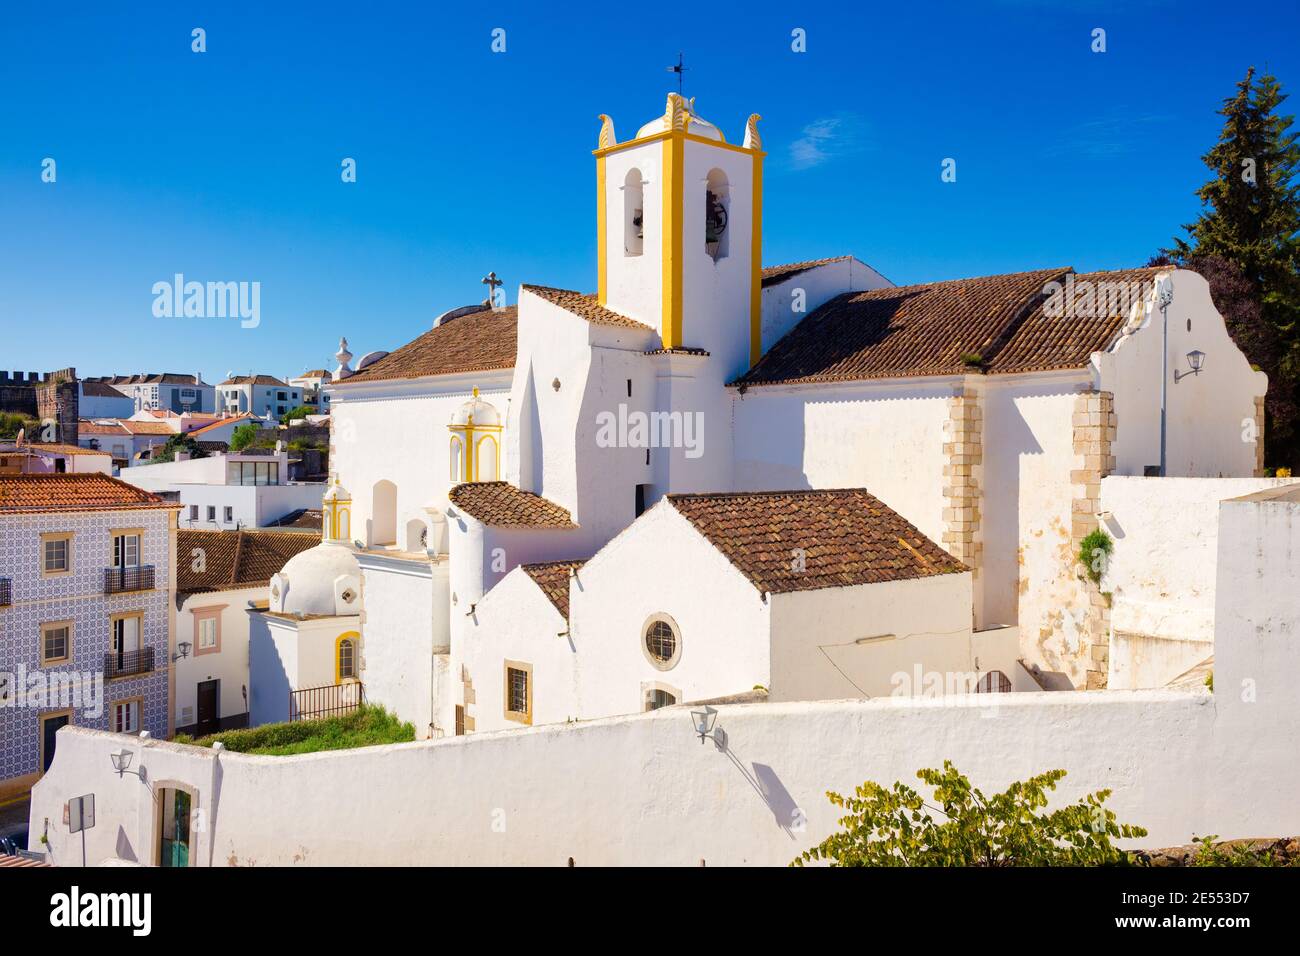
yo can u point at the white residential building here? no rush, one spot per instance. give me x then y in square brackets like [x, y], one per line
[86, 564]
[226, 492]
[260, 395]
[161, 390]
[220, 575]
[102, 400]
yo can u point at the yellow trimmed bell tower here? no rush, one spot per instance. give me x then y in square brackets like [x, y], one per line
[336, 514]
[680, 231]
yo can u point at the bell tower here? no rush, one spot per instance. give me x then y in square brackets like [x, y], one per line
[679, 232]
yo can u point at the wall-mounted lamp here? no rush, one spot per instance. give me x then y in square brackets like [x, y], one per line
[1195, 361]
[184, 648]
[703, 721]
[122, 763]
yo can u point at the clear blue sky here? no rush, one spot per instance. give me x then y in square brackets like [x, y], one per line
[225, 165]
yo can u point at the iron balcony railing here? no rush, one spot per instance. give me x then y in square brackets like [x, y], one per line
[120, 580]
[126, 663]
[6, 592]
[328, 700]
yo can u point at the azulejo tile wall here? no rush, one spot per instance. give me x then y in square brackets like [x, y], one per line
[77, 597]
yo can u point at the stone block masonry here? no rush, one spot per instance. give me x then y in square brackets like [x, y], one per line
[1094, 425]
[963, 471]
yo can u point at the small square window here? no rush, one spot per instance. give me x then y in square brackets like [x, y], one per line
[194, 512]
[519, 692]
[56, 642]
[229, 514]
[212, 512]
[126, 717]
[56, 554]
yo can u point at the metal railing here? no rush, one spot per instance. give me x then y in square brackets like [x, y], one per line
[126, 663]
[6, 592]
[120, 580]
[328, 700]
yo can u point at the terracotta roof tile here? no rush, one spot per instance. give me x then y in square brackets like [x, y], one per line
[553, 578]
[902, 331]
[775, 274]
[55, 448]
[584, 306]
[1064, 334]
[846, 537]
[478, 342]
[501, 504]
[89, 492]
[235, 559]
[255, 380]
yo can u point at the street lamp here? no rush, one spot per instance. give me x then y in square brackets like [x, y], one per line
[1164, 296]
[184, 648]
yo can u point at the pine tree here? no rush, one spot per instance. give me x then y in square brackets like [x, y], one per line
[1251, 219]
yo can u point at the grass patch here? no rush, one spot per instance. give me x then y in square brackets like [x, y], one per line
[367, 726]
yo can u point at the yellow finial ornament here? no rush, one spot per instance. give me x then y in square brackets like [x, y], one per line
[752, 139]
[607, 138]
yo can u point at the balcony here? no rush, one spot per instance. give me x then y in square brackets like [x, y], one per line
[6, 592]
[122, 580]
[127, 663]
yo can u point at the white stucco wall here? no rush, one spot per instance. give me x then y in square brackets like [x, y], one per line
[406, 620]
[371, 421]
[643, 790]
[228, 665]
[886, 437]
[922, 623]
[662, 565]
[1209, 414]
[515, 621]
[811, 289]
[1163, 570]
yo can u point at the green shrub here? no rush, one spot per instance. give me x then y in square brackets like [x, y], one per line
[243, 436]
[1094, 554]
[896, 826]
[1243, 853]
[367, 726]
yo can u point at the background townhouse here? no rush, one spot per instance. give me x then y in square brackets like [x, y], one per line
[259, 394]
[180, 393]
[86, 565]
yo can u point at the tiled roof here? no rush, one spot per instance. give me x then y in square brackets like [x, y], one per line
[222, 423]
[54, 448]
[255, 380]
[89, 492]
[501, 504]
[1060, 334]
[477, 342]
[235, 559]
[101, 390]
[302, 518]
[844, 537]
[553, 578]
[584, 306]
[774, 274]
[111, 427]
[145, 428]
[902, 331]
[8, 862]
[147, 378]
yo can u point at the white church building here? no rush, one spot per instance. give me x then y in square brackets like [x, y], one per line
[713, 478]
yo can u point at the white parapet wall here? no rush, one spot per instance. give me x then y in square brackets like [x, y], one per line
[1161, 575]
[644, 789]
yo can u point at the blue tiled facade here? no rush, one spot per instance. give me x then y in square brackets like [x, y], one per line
[78, 598]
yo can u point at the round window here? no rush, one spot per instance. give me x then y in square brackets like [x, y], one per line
[662, 643]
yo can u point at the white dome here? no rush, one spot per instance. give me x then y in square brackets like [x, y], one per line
[695, 125]
[476, 412]
[321, 580]
[336, 492]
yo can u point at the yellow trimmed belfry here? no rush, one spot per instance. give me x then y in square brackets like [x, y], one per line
[679, 231]
[475, 442]
[336, 514]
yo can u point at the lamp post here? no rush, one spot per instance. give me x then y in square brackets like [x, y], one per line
[1164, 296]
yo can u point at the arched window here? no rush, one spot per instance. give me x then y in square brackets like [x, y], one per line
[485, 456]
[417, 535]
[657, 697]
[661, 641]
[383, 514]
[994, 682]
[717, 206]
[457, 455]
[346, 664]
[633, 214]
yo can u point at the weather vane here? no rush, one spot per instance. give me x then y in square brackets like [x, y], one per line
[679, 69]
